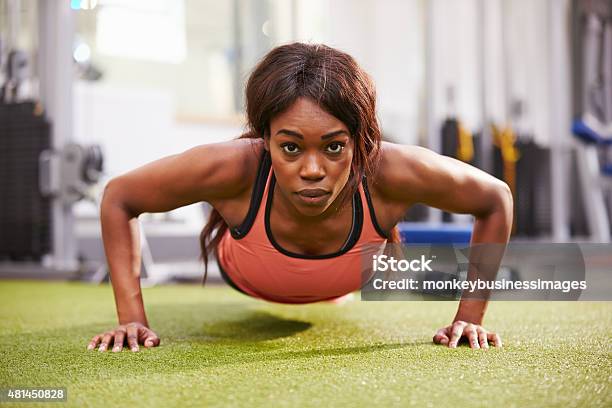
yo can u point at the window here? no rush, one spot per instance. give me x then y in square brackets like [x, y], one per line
[199, 51]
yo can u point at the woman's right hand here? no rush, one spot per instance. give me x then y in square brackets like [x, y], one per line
[132, 333]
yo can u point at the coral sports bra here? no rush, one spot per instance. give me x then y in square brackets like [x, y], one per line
[252, 262]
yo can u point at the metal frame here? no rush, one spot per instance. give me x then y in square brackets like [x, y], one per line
[55, 38]
[433, 141]
[559, 115]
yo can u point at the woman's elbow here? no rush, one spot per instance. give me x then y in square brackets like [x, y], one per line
[506, 196]
[111, 190]
[503, 202]
[113, 197]
[497, 201]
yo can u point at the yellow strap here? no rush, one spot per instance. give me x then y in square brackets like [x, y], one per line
[465, 145]
[504, 139]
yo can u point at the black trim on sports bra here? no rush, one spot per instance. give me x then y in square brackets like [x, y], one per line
[372, 213]
[354, 234]
[256, 195]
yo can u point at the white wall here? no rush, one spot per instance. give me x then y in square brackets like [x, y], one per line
[136, 126]
[516, 62]
[386, 37]
[455, 61]
[493, 71]
[528, 63]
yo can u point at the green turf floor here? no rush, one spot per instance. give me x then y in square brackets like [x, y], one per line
[220, 348]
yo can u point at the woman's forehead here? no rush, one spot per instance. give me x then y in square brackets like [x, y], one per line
[306, 114]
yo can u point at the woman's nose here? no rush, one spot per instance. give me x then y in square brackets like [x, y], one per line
[311, 168]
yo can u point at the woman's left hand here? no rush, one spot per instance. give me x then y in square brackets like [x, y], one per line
[476, 335]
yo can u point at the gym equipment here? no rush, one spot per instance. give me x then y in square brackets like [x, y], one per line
[458, 142]
[525, 167]
[505, 139]
[593, 127]
[595, 178]
[33, 175]
[25, 213]
[68, 174]
[43, 174]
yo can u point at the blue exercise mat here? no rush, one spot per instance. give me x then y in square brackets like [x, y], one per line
[434, 233]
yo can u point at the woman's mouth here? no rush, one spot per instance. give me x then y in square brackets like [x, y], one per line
[313, 196]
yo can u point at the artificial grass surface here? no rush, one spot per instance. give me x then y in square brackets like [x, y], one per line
[219, 348]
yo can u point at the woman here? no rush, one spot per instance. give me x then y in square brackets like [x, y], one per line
[300, 198]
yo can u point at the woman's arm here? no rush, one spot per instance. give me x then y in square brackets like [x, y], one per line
[205, 173]
[412, 174]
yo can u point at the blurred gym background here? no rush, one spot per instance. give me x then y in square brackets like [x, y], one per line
[91, 89]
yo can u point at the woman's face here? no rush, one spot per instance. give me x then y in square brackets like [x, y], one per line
[311, 153]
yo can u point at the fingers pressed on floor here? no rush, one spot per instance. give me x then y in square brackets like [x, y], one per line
[132, 338]
[440, 337]
[93, 343]
[482, 338]
[495, 339]
[457, 332]
[105, 341]
[473, 338]
[119, 339]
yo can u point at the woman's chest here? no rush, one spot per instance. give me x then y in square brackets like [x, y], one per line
[315, 238]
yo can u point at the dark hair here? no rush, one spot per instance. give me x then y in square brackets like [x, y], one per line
[327, 76]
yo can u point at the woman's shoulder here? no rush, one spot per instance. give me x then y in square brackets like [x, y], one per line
[403, 165]
[248, 156]
[414, 174]
[219, 173]
[396, 164]
[393, 184]
[234, 162]
[243, 153]
[232, 175]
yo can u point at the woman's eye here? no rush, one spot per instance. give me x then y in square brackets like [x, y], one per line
[335, 148]
[290, 148]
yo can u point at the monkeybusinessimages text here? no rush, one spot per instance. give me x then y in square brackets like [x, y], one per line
[384, 263]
